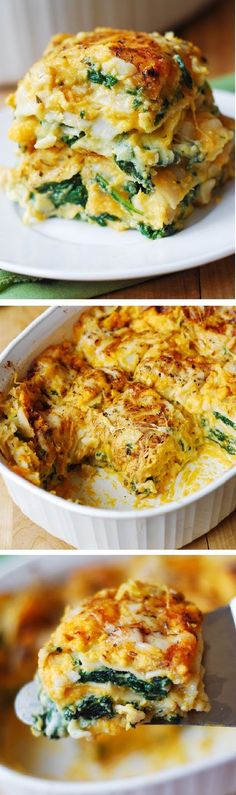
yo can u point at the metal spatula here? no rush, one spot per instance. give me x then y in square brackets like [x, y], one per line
[219, 632]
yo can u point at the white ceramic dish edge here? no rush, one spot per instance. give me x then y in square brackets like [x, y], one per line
[165, 527]
[214, 777]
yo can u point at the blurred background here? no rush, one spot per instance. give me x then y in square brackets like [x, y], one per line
[26, 26]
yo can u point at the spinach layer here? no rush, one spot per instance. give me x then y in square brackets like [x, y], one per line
[137, 93]
[89, 709]
[96, 75]
[145, 182]
[71, 191]
[226, 420]
[217, 435]
[50, 722]
[186, 76]
[162, 112]
[53, 723]
[103, 218]
[156, 688]
[165, 231]
[104, 185]
[70, 140]
[225, 441]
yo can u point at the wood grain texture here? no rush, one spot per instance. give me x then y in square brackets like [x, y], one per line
[16, 530]
[213, 31]
[13, 320]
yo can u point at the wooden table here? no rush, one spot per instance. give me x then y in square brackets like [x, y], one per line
[213, 31]
[18, 532]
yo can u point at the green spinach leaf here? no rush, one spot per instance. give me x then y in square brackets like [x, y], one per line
[96, 75]
[71, 191]
[187, 77]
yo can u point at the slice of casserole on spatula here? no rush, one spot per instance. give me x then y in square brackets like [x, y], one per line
[129, 656]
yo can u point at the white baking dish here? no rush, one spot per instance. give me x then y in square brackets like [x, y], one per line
[214, 775]
[27, 25]
[168, 526]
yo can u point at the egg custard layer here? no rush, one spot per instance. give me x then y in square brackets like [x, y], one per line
[147, 393]
[122, 657]
[118, 128]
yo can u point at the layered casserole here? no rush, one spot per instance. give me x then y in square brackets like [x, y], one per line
[146, 393]
[118, 128]
[209, 581]
[125, 656]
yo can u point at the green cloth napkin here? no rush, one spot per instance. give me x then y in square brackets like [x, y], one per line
[227, 82]
[14, 286]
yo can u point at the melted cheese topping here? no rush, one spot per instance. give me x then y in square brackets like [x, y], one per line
[74, 73]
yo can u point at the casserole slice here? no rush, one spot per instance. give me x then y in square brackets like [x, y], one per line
[65, 183]
[122, 657]
[145, 438]
[118, 128]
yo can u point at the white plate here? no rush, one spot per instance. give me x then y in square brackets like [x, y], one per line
[60, 249]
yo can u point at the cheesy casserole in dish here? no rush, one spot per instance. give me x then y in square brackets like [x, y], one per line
[145, 393]
[118, 128]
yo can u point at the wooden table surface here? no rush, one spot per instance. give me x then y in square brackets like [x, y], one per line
[18, 532]
[213, 31]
